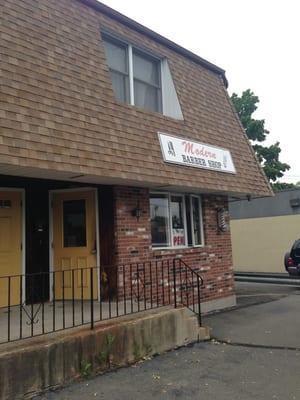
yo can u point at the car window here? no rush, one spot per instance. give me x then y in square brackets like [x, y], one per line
[295, 252]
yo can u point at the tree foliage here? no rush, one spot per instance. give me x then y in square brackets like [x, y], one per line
[277, 186]
[268, 156]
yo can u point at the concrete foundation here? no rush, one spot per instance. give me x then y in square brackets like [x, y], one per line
[218, 304]
[32, 366]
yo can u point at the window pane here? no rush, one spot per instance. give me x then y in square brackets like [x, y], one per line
[5, 203]
[74, 223]
[188, 220]
[116, 55]
[146, 69]
[159, 213]
[146, 96]
[196, 220]
[177, 216]
[120, 85]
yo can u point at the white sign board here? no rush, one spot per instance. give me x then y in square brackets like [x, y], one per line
[178, 237]
[194, 154]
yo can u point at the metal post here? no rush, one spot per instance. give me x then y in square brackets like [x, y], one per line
[54, 294]
[20, 305]
[8, 309]
[92, 297]
[199, 305]
[174, 278]
[73, 298]
[63, 298]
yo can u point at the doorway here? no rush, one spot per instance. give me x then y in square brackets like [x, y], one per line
[11, 235]
[74, 243]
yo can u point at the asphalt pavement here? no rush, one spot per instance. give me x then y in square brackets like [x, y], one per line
[260, 361]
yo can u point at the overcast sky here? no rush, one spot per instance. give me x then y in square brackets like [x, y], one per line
[256, 42]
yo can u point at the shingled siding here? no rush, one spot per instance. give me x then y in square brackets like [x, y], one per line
[133, 242]
[58, 110]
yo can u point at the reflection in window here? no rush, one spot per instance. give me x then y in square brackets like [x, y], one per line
[159, 212]
[147, 92]
[176, 220]
[5, 203]
[74, 223]
[136, 75]
[177, 212]
[117, 59]
[196, 220]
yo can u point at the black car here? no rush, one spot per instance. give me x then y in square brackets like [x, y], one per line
[292, 259]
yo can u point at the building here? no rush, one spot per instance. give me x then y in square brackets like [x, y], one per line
[263, 230]
[117, 146]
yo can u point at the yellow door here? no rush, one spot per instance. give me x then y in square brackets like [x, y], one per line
[10, 247]
[74, 244]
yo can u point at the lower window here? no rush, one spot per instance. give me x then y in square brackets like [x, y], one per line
[176, 220]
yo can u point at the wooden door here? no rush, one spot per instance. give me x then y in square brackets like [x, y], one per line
[74, 244]
[10, 247]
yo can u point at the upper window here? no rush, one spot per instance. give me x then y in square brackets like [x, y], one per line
[176, 220]
[135, 75]
[117, 58]
[146, 81]
[141, 79]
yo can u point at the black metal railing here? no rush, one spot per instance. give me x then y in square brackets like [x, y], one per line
[190, 283]
[88, 295]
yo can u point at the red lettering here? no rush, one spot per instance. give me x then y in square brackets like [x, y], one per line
[188, 147]
[199, 151]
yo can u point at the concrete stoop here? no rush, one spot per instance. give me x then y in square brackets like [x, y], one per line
[31, 366]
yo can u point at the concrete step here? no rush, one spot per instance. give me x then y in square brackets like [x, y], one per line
[58, 358]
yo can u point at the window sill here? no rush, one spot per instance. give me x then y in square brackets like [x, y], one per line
[178, 248]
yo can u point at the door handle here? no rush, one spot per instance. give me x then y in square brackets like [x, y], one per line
[94, 251]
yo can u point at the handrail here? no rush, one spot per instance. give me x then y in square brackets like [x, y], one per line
[188, 288]
[192, 270]
[44, 302]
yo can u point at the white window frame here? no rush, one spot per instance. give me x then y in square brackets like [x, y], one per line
[191, 196]
[129, 54]
[158, 87]
[186, 246]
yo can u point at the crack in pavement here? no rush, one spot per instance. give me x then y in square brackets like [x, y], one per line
[216, 340]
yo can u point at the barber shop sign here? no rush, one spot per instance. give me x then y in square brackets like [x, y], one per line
[194, 154]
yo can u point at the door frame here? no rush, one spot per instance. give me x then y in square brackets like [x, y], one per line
[51, 250]
[23, 235]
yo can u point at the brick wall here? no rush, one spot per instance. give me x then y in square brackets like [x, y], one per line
[133, 245]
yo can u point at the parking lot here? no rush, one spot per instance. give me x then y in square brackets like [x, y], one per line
[255, 354]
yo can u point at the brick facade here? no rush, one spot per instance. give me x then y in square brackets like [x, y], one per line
[133, 242]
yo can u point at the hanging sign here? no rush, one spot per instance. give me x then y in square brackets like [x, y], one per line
[178, 237]
[194, 154]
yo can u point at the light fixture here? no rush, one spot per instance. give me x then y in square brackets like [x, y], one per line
[137, 211]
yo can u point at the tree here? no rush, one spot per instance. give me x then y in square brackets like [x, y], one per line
[268, 156]
[278, 186]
